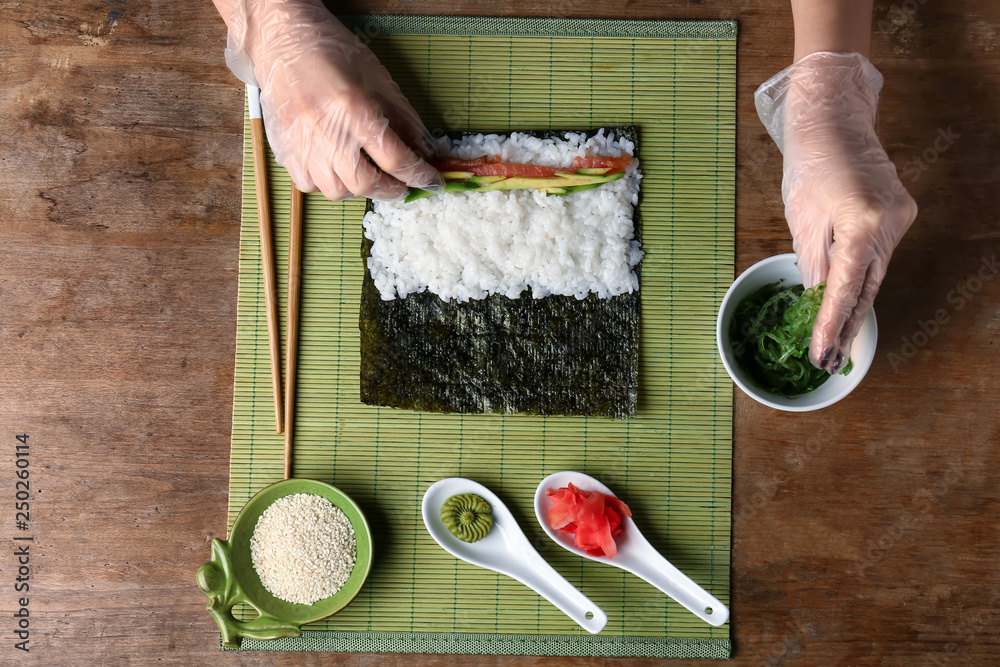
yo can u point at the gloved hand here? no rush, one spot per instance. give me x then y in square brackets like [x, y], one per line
[325, 98]
[844, 203]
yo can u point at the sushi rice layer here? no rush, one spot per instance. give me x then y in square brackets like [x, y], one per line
[468, 245]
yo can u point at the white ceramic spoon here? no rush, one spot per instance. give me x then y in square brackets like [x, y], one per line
[635, 553]
[506, 550]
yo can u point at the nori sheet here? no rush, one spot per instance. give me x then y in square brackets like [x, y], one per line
[553, 356]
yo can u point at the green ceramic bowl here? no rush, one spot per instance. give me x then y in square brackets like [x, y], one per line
[229, 578]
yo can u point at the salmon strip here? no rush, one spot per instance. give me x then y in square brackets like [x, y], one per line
[616, 164]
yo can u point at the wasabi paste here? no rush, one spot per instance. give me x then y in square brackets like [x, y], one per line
[467, 516]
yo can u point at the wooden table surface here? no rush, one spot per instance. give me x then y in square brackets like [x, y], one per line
[865, 533]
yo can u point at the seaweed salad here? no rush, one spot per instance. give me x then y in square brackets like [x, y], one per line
[770, 333]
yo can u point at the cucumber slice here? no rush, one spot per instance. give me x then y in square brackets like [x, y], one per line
[580, 188]
[450, 186]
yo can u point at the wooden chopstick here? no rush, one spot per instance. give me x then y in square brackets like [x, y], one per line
[292, 317]
[266, 246]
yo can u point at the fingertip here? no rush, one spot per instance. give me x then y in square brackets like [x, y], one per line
[333, 188]
[837, 364]
[856, 317]
[825, 342]
[301, 178]
[421, 174]
[304, 185]
[824, 358]
[337, 194]
[822, 347]
[429, 179]
[388, 198]
[409, 127]
[365, 179]
[388, 190]
[394, 157]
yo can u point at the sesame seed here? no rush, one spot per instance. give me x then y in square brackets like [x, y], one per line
[303, 548]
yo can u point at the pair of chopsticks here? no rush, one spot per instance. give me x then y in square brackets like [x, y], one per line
[271, 282]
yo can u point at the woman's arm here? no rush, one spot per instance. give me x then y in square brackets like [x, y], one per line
[842, 26]
[844, 203]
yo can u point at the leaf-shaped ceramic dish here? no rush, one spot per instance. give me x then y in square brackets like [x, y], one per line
[230, 578]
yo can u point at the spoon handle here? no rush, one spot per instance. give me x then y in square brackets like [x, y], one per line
[532, 571]
[661, 573]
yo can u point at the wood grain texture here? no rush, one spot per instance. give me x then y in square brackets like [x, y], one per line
[863, 534]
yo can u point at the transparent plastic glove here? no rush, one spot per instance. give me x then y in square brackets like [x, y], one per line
[326, 98]
[844, 203]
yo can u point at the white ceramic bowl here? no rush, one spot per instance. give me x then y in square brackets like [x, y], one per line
[837, 387]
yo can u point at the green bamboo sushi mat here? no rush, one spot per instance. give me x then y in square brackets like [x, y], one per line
[676, 81]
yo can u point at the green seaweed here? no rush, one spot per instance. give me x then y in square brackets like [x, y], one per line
[551, 356]
[467, 516]
[770, 332]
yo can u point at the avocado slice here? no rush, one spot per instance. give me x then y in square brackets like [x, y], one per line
[572, 189]
[456, 175]
[566, 183]
[523, 183]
